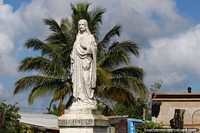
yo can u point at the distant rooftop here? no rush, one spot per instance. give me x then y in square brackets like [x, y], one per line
[46, 121]
[185, 96]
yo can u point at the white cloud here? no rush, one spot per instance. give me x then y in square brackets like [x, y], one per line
[1, 90]
[144, 19]
[141, 21]
[11, 25]
[34, 13]
[173, 59]
[4, 93]
[7, 61]
[136, 17]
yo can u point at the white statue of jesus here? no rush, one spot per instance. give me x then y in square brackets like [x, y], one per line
[83, 64]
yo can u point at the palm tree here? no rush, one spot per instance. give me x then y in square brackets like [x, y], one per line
[53, 64]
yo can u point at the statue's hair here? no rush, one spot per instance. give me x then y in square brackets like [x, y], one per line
[86, 24]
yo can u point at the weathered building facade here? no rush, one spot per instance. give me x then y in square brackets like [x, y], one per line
[182, 109]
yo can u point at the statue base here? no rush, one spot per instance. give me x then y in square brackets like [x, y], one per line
[83, 120]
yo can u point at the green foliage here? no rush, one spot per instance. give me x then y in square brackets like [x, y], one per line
[11, 119]
[106, 110]
[149, 125]
[24, 129]
[133, 111]
[54, 110]
[11, 116]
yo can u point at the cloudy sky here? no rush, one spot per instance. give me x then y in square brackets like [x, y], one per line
[167, 31]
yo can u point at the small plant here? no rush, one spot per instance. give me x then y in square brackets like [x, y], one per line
[54, 110]
[156, 87]
[150, 126]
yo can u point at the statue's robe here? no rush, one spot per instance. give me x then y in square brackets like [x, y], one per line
[83, 69]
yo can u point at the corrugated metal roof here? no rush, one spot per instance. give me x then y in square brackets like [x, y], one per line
[42, 120]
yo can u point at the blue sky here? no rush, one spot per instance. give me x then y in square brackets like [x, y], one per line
[16, 3]
[168, 33]
[189, 8]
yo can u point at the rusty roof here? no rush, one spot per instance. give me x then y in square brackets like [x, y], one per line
[176, 96]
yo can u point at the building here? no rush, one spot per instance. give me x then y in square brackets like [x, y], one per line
[123, 124]
[176, 110]
[45, 123]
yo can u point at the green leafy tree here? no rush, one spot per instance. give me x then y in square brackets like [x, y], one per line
[150, 126]
[11, 118]
[53, 64]
[134, 111]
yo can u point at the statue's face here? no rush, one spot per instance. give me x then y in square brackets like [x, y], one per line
[82, 26]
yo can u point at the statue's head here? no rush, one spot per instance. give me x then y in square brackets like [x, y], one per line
[83, 26]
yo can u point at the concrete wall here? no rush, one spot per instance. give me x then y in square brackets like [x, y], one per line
[167, 110]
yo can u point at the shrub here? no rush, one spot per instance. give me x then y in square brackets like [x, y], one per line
[11, 118]
[149, 125]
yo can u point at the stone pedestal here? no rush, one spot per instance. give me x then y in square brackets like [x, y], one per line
[83, 121]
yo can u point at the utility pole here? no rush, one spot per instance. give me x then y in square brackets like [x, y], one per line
[144, 110]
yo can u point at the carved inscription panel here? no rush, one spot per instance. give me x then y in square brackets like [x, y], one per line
[75, 122]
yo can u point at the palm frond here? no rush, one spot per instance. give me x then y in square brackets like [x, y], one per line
[134, 85]
[35, 44]
[66, 24]
[122, 82]
[27, 82]
[63, 34]
[104, 43]
[140, 88]
[79, 11]
[42, 65]
[66, 28]
[96, 20]
[46, 50]
[128, 72]
[54, 52]
[56, 38]
[53, 25]
[128, 46]
[113, 59]
[119, 94]
[104, 77]
[40, 91]
[62, 92]
[123, 77]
